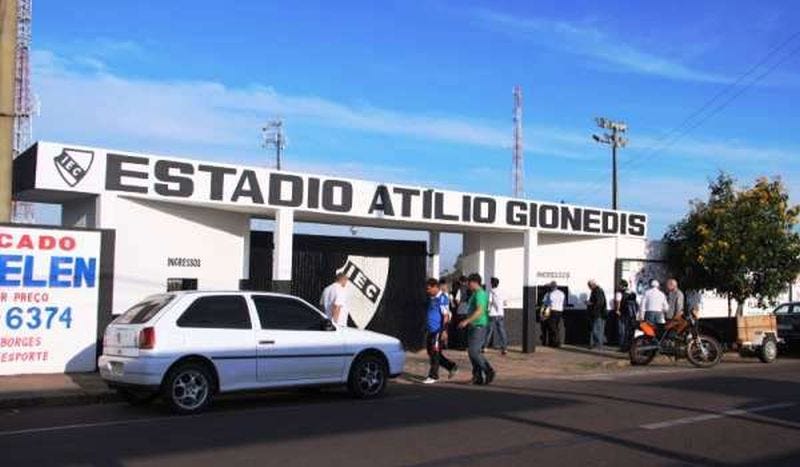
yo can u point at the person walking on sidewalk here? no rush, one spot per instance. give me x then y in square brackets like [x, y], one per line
[497, 325]
[598, 312]
[477, 320]
[438, 315]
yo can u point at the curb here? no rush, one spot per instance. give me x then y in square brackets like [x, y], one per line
[54, 400]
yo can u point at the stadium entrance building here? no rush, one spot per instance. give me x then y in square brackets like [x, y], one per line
[182, 223]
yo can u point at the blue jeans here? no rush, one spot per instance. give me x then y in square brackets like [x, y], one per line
[598, 336]
[480, 366]
[497, 328]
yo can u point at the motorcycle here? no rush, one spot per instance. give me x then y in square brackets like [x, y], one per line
[679, 338]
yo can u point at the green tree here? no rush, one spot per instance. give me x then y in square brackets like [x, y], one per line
[740, 243]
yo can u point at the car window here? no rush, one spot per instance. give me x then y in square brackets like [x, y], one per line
[217, 312]
[784, 309]
[144, 311]
[286, 313]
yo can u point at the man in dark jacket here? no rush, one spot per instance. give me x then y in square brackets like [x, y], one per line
[598, 312]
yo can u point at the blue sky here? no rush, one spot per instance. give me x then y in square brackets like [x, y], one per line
[420, 92]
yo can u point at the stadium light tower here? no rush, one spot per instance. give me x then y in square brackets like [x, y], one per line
[272, 137]
[615, 140]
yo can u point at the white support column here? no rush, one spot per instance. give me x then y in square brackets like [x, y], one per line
[531, 242]
[282, 253]
[530, 326]
[434, 250]
[480, 266]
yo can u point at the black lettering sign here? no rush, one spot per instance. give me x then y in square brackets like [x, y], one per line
[484, 210]
[406, 195]
[516, 213]
[636, 224]
[382, 201]
[115, 173]
[313, 193]
[548, 216]
[217, 179]
[249, 187]
[184, 262]
[571, 218]
[329, 189]
[185, 185]
[276, 183]
[610, 222]
[438, 209]
[591, 220]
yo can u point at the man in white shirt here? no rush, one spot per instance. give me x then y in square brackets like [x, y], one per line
[497, 325]
[654, 304]
[334, 301]
[554, 309]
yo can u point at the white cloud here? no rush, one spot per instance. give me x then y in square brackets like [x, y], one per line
[593, 43]
[78, 100]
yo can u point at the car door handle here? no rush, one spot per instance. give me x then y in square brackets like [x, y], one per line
[266, 342]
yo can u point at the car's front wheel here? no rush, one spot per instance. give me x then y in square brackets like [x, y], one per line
[188, 388]
[368, 377]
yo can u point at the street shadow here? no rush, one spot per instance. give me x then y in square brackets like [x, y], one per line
[260, 418]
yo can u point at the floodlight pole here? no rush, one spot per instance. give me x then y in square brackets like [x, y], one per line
[615, 140]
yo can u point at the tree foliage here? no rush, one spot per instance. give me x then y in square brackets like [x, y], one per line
[740, 243]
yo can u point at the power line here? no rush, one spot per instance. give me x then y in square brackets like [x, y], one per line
[674, 135]
[716, 110]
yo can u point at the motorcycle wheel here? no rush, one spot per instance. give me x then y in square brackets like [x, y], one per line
[703, 352]
[639, 357]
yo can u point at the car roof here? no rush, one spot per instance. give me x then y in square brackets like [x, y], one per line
[227, 292]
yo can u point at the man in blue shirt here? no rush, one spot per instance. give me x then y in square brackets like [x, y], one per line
[438, 314]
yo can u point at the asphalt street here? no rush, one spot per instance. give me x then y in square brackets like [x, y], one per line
[743, 413]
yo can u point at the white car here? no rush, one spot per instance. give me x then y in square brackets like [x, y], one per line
[189, 346]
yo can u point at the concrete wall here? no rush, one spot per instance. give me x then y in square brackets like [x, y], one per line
[148, 233]
[570, 260]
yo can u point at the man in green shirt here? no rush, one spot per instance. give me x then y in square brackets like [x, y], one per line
[478, 320]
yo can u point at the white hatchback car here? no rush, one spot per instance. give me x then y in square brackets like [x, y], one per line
[189, 346]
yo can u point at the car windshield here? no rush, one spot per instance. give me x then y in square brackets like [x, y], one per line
[143, 311]
[783, 309]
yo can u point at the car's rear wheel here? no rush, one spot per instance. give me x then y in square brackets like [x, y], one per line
[368, 377]
[188, 388]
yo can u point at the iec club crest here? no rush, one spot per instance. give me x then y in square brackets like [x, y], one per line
[73, 164]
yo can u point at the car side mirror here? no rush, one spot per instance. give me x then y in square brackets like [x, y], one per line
[327, 325]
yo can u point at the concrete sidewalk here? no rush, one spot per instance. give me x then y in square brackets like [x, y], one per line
[53, 389]
[545, 362]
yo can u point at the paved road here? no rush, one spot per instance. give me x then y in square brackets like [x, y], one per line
[742, 413]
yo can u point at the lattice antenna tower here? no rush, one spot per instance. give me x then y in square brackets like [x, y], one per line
[23, 100]
[517, 163]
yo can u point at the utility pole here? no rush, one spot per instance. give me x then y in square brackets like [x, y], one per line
[8, 55]
[272, 137]
[517, 164]
[615, 140]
